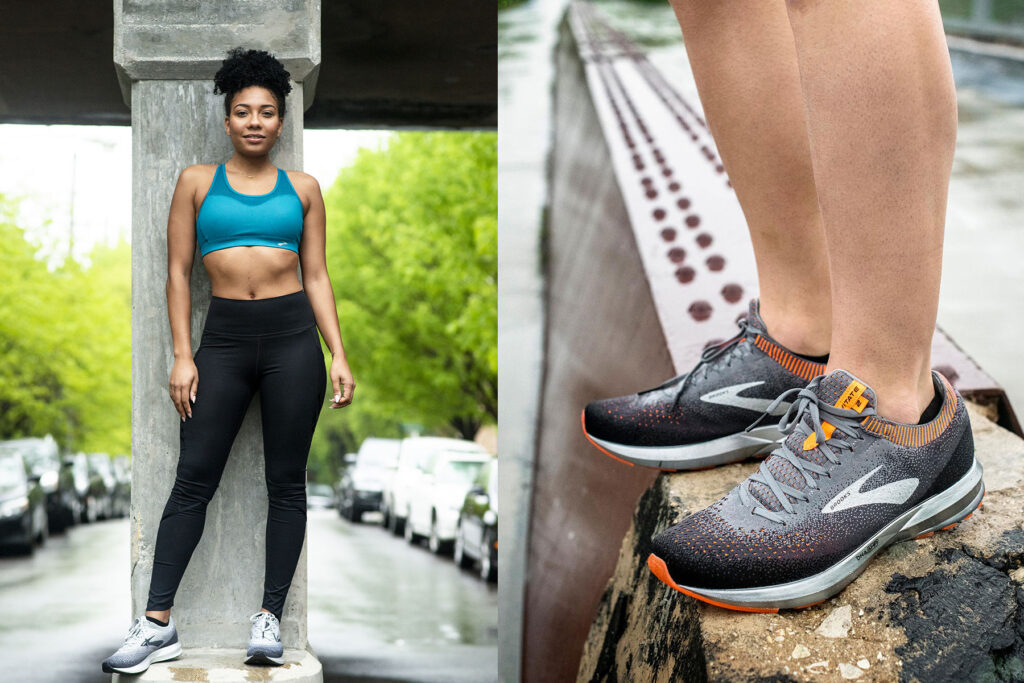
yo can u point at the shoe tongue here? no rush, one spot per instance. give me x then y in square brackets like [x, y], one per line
[842, 390]
[839, 388]
[754, 316]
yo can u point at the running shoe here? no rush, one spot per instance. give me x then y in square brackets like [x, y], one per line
[699, 419]
[843, 485]
[264, 640]
[145, 644]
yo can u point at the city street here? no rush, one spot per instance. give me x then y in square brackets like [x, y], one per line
[379, 609]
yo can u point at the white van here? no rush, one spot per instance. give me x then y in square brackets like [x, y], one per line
[446, 475]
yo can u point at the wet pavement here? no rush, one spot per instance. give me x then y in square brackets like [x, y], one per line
[379, 609]
[526, 39]
[66, 607]
[382, 610]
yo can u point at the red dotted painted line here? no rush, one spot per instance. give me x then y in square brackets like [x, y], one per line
[661, 88]
[732, 293]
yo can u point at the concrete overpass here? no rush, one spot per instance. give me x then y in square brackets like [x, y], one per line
[383, 64]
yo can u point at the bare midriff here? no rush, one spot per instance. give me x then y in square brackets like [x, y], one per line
[252, 272]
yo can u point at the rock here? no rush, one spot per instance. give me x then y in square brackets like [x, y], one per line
[1018, 575]
[946, 608]
[849, 671]
[837, 624]
[818, 667]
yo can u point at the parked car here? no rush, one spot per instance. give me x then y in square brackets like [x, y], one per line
[122, 504]
[89, 488]
[42, 457]
[446, 474]
[361, 488]
[476, 534]
[319, 496]
[23, 520]
[103, 480]
[395, 497]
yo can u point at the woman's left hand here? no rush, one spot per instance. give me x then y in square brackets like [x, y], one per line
[344, 385]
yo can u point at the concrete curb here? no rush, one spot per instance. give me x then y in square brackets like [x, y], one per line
[224, 664]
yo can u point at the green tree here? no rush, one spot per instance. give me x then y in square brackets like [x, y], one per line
[65, 345]
[412, 252]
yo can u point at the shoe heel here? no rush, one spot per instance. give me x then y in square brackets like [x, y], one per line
[947, 509]
[169, 652]
[954, 521]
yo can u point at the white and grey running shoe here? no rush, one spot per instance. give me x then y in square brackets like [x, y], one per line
[844, 485]
[264, 640]
[145, 644]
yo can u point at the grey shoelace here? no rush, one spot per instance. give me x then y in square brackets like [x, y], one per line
[711, 353]
[265, 622]
[807, 403]
[137, 633]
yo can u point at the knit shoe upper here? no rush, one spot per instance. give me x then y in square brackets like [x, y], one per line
[265, 639]
[145, 643]
[727, 390]
[841, 476]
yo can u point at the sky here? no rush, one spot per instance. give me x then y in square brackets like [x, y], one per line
[55, 168]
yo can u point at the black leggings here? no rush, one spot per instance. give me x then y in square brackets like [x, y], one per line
[271, 345]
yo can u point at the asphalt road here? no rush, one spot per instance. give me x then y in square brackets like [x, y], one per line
[379, 609]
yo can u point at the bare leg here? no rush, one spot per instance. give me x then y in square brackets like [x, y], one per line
[881, 113]
[161, 615]
[745, 64]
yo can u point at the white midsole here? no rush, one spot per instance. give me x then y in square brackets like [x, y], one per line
[164, 653]
[703, 454]
[957, 500]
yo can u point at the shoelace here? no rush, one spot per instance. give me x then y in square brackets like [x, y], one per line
[264, 621]
[709, 354]
[137, 633]
[848, 428]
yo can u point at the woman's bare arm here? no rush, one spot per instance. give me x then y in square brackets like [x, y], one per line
[317, 283]
[181, 247]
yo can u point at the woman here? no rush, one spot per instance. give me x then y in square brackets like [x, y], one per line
[253, 223]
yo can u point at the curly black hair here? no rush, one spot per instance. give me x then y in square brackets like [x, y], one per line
[244, 68]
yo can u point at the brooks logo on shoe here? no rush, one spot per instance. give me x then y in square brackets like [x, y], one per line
[893, 493]
[730, 396]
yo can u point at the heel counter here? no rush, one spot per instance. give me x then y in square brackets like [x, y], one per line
[961, 459]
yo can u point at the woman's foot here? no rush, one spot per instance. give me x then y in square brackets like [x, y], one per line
[264, 640]
[145, 644]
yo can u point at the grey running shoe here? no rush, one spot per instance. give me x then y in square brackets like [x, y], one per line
[843, 485]
[264, 640]
[145, 644]
[700, 419]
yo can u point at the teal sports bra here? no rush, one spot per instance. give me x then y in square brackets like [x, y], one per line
[228, 218]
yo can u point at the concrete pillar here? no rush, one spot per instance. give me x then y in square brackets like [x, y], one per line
[166, 55]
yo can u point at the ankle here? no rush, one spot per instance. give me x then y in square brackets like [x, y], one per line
[905, 403]
[799, 331]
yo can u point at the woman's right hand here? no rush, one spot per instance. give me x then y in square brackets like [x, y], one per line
[184, 385]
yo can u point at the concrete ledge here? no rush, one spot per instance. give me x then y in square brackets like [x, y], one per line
[949, 607]
[222, 664]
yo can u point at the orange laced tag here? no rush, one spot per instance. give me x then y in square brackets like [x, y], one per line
[852, 399]
[811, 442]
